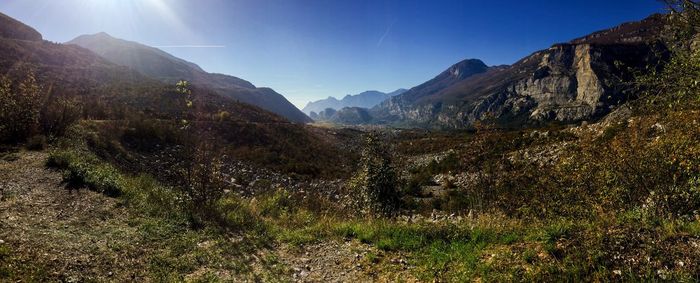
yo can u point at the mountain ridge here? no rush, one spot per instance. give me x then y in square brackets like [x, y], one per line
[161, 65]
[14, 29]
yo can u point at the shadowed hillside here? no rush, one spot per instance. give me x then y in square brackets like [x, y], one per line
[160, 65]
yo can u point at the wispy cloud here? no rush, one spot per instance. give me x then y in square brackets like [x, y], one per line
[386, 33]
[190, 46]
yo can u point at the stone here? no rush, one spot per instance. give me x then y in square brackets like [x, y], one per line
[569, 82]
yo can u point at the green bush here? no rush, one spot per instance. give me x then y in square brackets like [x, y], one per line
[375, 183]
[235, 215]
[19, 107]
[85, 169]
[148, 196]
[277, 204]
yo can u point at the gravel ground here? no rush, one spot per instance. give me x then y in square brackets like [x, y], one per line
[348, 261]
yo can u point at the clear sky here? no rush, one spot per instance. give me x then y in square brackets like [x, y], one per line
[312, 49]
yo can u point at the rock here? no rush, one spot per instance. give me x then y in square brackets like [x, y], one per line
[569, 82]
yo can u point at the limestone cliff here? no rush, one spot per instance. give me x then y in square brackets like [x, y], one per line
[570, 82]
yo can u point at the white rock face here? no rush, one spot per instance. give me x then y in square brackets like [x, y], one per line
[566, 83]
[570, 82]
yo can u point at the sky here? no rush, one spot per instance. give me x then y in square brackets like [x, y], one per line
[311, 49]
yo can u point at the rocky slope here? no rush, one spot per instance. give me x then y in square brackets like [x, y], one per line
[367, 99]
[570, 82]
[158, 64]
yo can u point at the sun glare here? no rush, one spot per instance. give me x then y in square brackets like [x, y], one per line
[132, 13]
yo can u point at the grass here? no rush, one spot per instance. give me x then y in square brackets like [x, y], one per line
[10, 268]
[498, 248]
[83, 168]
[177, 252]
[491, 247]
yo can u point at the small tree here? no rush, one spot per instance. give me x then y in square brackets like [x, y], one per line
[375, 183]
[674, 84]
[58, 114]
[19, 107]
[203, 183]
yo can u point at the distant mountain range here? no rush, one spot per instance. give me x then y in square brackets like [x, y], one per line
[367, 99]
[158, 64]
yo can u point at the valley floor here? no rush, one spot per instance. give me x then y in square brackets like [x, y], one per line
[52, 231]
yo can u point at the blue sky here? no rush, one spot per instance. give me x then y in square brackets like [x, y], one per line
[312, 49]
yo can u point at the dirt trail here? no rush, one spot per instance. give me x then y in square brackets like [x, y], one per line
[49, 232]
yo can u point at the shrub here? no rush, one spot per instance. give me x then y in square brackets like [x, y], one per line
[58, 115]
[85, 169]
[19, 108]
[276, 204]
[148, 196]
[375, 182]
[232, 214]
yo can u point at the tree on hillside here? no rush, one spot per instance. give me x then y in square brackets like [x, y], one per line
[201, 164]
[19, 107]
[676, 83]
[375, 183]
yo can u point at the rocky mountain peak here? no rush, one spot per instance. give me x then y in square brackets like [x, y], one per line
[467, 68]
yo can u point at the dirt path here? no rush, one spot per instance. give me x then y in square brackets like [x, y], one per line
[49, 232]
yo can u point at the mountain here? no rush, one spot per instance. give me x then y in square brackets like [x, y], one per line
[13, 29]
[569, 82]
[117, 96]
[108, 90]
[158, 64]
[367, 99]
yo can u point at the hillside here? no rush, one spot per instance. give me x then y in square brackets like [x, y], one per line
[11, 28]
[567, 83]
[158, 64]
[120, 98]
